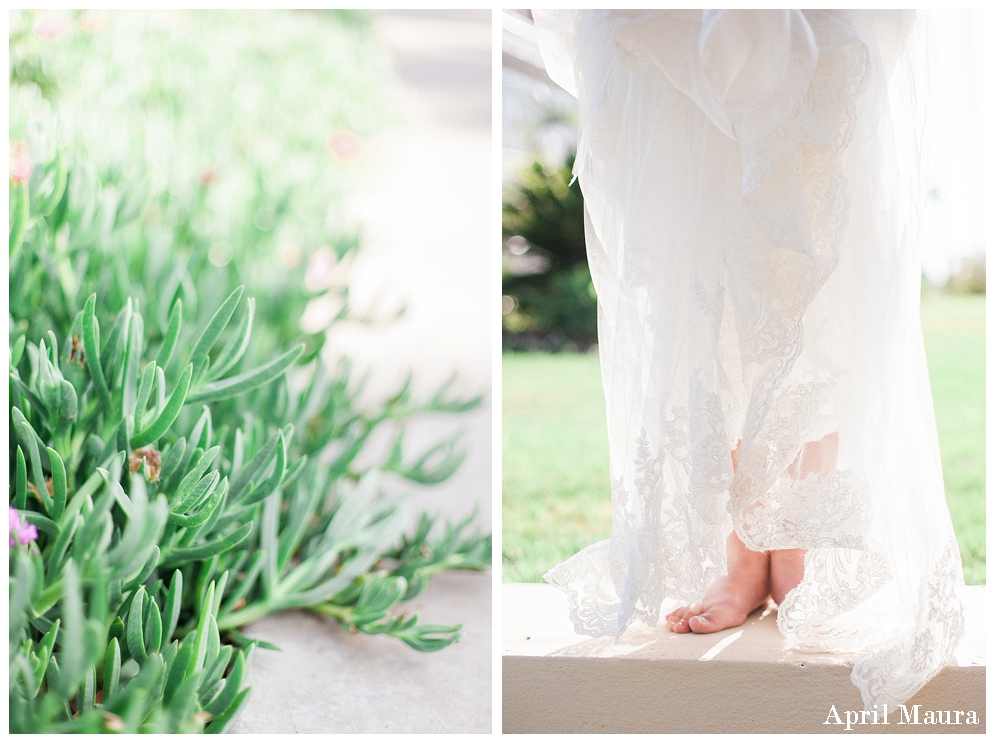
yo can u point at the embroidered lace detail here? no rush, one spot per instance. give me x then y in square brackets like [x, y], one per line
[896, 672]
[795, 192]
[835, 581]
[772, 509]
[808, 513]
[672, 552]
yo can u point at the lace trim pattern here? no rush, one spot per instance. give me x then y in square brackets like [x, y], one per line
[674, 552]
[893, 674]
[836, 580]
[775, 284]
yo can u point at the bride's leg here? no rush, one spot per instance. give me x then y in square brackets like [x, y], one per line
[788, 566]
[753, 575]
[731, 597]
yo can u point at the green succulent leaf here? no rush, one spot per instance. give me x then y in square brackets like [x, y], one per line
[232, 539]
[58, 484]
[162, 423]
[136, 639]
[17, 351]
[20, 214]
[112, 669]
[250, 380]
[91, 346]
[171, 613]
[214, 329]
[222, 722]
[20, 482]
[172, 334]
[237, 345]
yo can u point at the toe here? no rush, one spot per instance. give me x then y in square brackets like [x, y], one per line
[677, 620]
[679, 614]
[703, 623]
[719, 616]
[679, 626]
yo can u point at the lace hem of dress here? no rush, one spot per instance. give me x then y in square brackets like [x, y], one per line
[895, 672]
[670, 520]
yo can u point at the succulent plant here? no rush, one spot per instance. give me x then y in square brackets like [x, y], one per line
[183, 460]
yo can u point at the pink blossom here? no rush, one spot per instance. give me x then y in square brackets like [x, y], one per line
[20, 162]
[208, 176]
[50, 27]
[24, 531]
[343, 145]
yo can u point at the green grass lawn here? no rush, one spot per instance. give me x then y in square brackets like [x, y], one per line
[954, 330]
[555, 444]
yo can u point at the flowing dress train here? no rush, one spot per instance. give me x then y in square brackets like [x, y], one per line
[751, 182]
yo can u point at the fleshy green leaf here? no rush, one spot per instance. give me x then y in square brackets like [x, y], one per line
[112, 669]
[246, 381]
[58, 484]
[178, 555]
[21, 482]
[222, 722]
[136, 641]
[237, 345]
[144, 390]
[161, 424]
[214, 329]
[17, 351]
[91, 346]
[19, 216]
[172, 609]
[153, 628]
[172, 333]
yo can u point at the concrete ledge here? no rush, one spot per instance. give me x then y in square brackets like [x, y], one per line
[740, 680]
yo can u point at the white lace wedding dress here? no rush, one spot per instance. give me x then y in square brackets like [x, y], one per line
[751, 189]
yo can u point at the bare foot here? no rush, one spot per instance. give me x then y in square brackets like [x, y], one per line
[730, 598]
[753, 576]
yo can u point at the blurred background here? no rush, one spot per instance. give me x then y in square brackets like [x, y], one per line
[555, 447]
[338, 164]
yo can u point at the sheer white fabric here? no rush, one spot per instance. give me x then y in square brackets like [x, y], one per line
[751, 189]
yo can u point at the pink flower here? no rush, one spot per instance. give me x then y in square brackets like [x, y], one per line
[343, 145]
[20, 162]
[24, 531]
[208, 176]
[50, 27]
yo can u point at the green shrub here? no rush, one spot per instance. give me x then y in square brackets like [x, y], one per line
[180, 493]
[551, 304]
[182, 460]
[970, 278]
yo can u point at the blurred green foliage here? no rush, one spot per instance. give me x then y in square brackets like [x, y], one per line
[234, 133]
[971, 277]
[550, 301]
